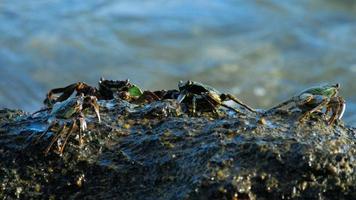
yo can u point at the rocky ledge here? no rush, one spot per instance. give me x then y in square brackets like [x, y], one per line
[157, 152]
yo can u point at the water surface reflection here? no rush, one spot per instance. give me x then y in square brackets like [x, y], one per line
[262, 51]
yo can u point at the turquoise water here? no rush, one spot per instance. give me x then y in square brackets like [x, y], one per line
[261, 51]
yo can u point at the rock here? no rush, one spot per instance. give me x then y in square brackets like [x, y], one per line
[162, 154]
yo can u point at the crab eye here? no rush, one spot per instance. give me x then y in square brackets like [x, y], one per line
[180, 83]
[189, 82]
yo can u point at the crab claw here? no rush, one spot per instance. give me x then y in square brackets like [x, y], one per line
[83, 124]
[342, 110]
[93, 102]
[96, 109]
[181, 97]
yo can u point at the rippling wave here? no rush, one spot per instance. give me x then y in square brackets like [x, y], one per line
[263, 52]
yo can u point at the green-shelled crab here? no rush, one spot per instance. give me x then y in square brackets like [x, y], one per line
[199, 96]
[67, 117]
[315, 99]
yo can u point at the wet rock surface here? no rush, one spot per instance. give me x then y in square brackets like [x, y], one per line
[157, 152]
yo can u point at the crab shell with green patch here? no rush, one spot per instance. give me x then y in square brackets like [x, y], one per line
[326, 90]
[314, 96]
[318, 94]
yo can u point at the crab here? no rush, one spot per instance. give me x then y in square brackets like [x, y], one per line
[67, 117]
[107, 90]
[192, 92]
[315, 99]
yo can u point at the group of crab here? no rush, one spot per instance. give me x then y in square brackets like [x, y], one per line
[70, 102]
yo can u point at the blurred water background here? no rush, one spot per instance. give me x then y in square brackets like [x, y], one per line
[261, 51]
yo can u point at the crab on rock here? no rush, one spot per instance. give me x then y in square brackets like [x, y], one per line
[195, 94]
[67, 117]
[315, 99]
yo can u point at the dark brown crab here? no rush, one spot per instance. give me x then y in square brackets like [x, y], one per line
[195, 94]
[107, 90]
[67, 117]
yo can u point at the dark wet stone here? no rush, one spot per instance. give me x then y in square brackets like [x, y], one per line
[152, 152]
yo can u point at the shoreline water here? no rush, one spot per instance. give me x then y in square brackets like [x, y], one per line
[262, 52]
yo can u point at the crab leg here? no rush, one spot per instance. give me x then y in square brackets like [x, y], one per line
[338, 111]
[39, 111]
[280, 105]
[194, 102]
[231, 108]
[96, 109]
[334, 115]
[223, 105]
[70, 131]
[82, 127]
[236, 100]
[66, 91]
[320, 106]
[54, 139]
[147, 96]
[181, 97]
[44, 133]
[214, 107]
[92, 101]
[333, 109]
